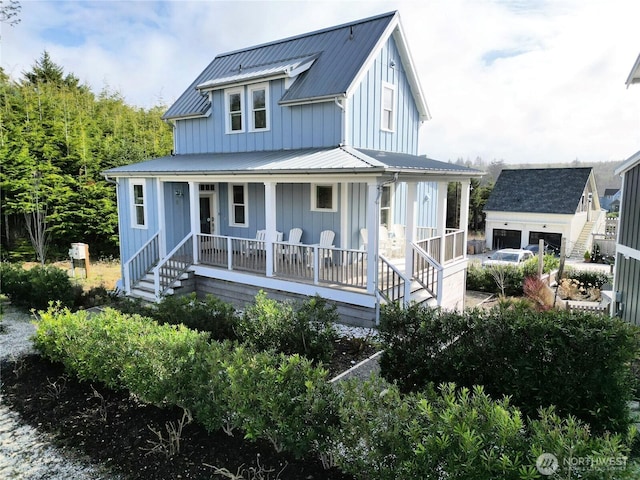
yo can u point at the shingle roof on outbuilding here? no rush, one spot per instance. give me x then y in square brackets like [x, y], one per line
[538, 190]
[329, 60]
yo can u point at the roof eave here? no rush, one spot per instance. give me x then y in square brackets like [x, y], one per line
[303, 101]
[628, 164]
[634, 75]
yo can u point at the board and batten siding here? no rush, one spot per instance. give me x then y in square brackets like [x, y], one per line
[365, 107]
[314, 125]
[627, 281]
[177, 212]
[131, 239]
[630, 209]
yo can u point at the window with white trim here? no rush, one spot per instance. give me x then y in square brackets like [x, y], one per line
[259, 104]
[138, 208]
[234, 110]
[238, 204]
[388, 107]
[324, 197]
[386, 198]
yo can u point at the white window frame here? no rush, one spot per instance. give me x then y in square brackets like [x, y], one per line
[267, 113]
[334, 197]
[390, 208]
[227, 110]
[232, 214]
[133, 183]
[384, 113]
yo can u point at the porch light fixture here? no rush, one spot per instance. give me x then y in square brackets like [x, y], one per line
[179, 193]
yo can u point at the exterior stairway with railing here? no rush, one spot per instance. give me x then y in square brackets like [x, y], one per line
[583, 242]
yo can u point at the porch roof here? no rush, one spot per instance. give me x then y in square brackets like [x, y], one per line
[307, 161]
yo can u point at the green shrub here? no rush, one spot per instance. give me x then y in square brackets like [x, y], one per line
[208, 314]
[457, 433]
[370, 440]
[306, 329]
[577, 362]
[37, 286]
[284, 399]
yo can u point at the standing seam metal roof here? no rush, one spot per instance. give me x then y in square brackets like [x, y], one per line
[297, 161]
[342, 50]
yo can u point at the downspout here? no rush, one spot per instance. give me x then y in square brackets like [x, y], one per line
[342, 105]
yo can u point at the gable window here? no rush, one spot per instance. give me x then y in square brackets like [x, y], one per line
[138, 208]
[388, 107]
[324, 198]
[259, 101]
[234, 109]
[238, 205]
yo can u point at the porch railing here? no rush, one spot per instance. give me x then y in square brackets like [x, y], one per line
[426, 271]
[141, 262]
[391, 282]
[453, 246]
[173, 266]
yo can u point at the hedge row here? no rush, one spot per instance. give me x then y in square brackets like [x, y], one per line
[306, 328]
[577, 362]
[365, 428]
[37, 286]
[284, 399]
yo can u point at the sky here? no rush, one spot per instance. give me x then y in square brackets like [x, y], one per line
[538, 81]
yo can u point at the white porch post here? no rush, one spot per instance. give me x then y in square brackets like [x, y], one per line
[270, 223]
[344, 215]
[162, 221]
[372, 237]
[194, 213]
[464, 214]
[410, 228]
[441, 225]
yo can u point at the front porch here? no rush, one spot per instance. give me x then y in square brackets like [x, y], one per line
[415, 271]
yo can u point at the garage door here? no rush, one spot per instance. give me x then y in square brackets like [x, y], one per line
[507, 239]
[552, 239]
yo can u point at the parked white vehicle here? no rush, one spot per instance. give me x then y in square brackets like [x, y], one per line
[509, 256]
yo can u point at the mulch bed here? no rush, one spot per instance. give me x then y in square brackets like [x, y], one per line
[74, 413]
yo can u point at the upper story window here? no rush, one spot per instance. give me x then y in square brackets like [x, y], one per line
[238, 205]
[256, 99]
[388, 107]
[259, 101]
[234, 106]
[138, 208]
[324, 198]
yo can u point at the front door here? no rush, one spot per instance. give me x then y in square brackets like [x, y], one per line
[208, 213]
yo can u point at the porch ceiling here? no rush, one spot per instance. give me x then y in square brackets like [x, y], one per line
[307, 161]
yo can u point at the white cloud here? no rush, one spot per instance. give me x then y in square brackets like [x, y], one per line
[520, 81]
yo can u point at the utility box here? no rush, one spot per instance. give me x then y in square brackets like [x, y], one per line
[79, 253]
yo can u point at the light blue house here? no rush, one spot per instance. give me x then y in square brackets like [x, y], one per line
[317, 133]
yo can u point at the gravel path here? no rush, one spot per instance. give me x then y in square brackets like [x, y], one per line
[25, 453]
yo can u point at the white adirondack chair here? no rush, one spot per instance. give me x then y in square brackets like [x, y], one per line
[292, 249]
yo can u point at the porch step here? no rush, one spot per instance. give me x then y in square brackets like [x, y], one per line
[145, 288]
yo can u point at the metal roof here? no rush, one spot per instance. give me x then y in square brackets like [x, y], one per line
[306, 161]
[539, 190]
[634, 75]
[342, 52]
